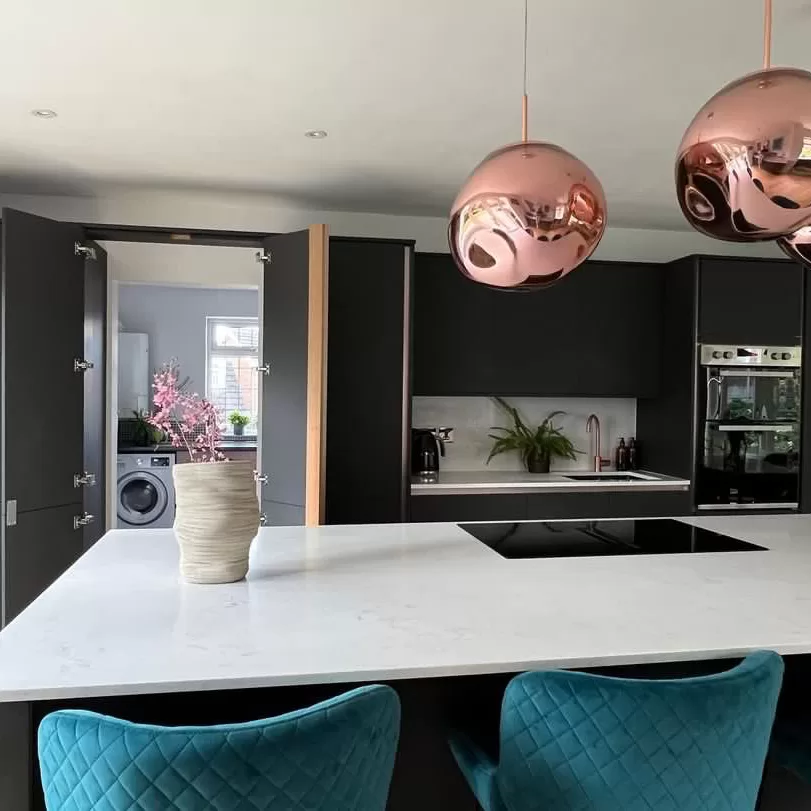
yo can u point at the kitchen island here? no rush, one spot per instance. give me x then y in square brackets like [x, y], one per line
[411, 604]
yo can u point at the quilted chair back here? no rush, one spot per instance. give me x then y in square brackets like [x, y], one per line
[334, 756]
[578, 742]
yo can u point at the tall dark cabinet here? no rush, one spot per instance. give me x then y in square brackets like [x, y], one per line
[368, 380]
[53, 383]
[715, 300]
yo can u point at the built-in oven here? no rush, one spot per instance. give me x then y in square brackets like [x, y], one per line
[748, 428]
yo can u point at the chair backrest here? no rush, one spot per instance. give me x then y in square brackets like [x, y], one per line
[595, 743]
[337, 755]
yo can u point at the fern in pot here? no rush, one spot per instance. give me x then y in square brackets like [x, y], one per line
[537, 445]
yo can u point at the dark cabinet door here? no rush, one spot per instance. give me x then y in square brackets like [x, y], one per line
[507, 507]
[750, 302]
[368, 387]
[43, 336]
[95, 384]
[293, 348]
[596, 333]
[39, 548]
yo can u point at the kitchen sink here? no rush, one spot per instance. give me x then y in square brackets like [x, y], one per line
[610, 477]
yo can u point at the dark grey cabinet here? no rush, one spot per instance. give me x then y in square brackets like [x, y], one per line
[750, 301]
[54, 302]
[548, 506]
[368, 381]
[596, 333]
[507, 507]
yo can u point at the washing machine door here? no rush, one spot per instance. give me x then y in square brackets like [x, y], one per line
[142, 498]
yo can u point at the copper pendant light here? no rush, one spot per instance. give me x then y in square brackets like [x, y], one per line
[529, 213]
[743, 171]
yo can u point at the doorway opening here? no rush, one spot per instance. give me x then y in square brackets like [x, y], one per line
[197, 306]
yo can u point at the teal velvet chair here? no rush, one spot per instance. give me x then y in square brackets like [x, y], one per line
[333, 756]
[578, 742]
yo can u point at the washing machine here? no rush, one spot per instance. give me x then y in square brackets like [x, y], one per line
[146, 491]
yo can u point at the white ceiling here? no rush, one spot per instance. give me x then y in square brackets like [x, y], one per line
[211, 94]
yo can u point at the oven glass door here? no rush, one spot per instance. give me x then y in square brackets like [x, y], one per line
[750, 451]
[755, 395]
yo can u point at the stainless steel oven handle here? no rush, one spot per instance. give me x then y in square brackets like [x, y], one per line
[713, 413]
[763, 505]
[757, 372]
[779, 428]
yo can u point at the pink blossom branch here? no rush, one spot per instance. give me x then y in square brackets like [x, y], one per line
[181, 414]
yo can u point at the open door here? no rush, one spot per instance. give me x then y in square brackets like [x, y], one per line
[43, 399]
[294, 364]
[94, 471]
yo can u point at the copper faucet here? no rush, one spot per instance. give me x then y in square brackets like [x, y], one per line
[599, 461]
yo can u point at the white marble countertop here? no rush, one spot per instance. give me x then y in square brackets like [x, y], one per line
[484, 482]
[341, 604]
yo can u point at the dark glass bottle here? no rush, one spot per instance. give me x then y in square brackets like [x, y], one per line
[622, 455]
[633, 455]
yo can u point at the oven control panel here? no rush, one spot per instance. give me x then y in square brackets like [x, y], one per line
[726, 355]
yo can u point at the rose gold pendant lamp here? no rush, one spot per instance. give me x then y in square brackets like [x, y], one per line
[529, 213]
[743, 169]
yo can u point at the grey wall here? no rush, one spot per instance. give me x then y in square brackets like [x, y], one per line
[175, 320]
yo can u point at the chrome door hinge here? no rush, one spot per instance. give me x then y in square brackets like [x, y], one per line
[262, 478]
[263, 257]
[84, 479]
[80, 365]
[85, 251]
[263, 369]
[263, 519]
[83, 520]
[11, 513]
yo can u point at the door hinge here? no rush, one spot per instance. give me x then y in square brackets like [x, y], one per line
[263, 369]
[264, 257]
[11, 513]
[84, 479]
[83, 250]
[263, 519]
[83, 520]
[262, 478]
[81, 365]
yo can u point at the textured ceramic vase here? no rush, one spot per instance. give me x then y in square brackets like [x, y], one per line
[217, 518]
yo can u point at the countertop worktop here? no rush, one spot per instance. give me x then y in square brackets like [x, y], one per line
[364, 603]
[483, 482]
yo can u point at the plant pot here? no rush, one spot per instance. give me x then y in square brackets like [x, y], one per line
[538, 464]
[239, 429]
[217, 517]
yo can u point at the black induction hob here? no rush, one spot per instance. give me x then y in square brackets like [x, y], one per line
[574, 539]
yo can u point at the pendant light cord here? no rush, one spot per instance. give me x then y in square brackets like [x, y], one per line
[524, 99]
[767, 36]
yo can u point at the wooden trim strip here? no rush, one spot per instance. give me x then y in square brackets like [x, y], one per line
[314, 489]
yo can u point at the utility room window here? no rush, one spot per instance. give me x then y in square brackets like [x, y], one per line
[232, 382]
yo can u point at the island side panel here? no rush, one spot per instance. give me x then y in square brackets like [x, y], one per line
[17, 741]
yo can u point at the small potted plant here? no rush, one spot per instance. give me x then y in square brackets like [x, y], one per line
[238, 422]
[537, 446]
[217, 511]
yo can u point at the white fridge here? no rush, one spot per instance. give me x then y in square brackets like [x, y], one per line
[133, 373]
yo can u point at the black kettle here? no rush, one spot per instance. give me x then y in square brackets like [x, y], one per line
[426, 448]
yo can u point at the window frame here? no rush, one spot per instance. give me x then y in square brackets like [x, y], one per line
[212, 350]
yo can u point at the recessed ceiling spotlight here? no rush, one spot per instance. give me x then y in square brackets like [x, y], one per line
[315, 134]
[44, 113]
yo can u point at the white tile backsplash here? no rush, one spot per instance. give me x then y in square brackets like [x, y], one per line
[472, 417]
